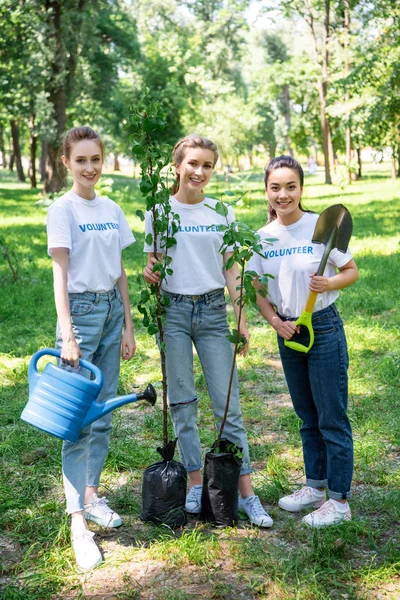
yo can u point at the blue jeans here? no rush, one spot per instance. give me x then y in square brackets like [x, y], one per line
[317, 383]
[201, 320]
[97, 324]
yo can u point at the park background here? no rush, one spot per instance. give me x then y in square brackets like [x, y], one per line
[319, 79]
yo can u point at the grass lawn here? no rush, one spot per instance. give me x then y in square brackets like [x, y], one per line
[358, 560]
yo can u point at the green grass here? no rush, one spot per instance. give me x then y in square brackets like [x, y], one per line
[357, 561]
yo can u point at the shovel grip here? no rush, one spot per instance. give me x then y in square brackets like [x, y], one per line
[305, 319]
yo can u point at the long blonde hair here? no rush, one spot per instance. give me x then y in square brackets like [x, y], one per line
[191, 141]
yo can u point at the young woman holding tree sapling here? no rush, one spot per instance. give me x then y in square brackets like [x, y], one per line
[86, 236]
[196, 315]
[317, 380]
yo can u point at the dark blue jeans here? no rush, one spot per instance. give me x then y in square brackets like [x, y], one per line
[318, 386]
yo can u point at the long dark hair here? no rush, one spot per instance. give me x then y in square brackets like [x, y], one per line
[280, 162]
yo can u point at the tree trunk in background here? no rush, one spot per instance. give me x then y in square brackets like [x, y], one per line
[286, 104]
[359, 173]
[33, 151]
[116, 162]
[43, 160]
[55, 175]
[322, 63]
[2, 149]
[398, 161]
[394, 164]
[347, 95]
[12, 159]
[17, 149]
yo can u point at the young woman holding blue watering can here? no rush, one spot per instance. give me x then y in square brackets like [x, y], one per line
[317, 380]
[197, 315]
[86, 236]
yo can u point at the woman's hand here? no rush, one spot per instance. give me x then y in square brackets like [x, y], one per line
[245, 333]
[287, 329]
[71, 353]
[148, 274]
[128, 345]
[318, 283]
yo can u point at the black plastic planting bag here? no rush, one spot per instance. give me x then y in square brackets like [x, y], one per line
[219, 499]
[164, 490]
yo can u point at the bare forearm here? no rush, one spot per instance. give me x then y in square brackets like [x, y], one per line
[123, 288]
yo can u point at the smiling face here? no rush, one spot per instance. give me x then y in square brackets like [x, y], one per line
[85, 163]
[284, 192]
[194, 172]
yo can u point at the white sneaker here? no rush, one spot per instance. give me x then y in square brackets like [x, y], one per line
[193, 500]
[307, 497]
[328, 514]
[87, 554]
[99, 512]
[255, 511]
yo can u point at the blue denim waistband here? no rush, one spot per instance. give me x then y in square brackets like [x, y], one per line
[330, 310]
[95, 296]
[194, 298]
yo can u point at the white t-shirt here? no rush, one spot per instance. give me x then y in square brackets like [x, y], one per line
[197, 263]
[291, 260]
[95, 233]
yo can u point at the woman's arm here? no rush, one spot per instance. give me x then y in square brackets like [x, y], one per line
[70, 351]
[347, 275]
[285, 329]
[128, 343]
[232, 278]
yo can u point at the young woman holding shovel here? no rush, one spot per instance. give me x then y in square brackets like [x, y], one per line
[86, 235]
[317, 380]
[196, 315]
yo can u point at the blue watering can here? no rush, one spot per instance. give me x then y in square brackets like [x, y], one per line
[62, 402]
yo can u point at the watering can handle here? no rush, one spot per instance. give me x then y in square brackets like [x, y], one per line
[53, 352]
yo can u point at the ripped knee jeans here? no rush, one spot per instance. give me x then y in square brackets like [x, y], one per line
[201, 321]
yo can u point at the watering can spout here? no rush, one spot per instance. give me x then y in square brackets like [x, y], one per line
[98, 410]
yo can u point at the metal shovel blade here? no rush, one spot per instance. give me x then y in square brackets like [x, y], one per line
[335, 219]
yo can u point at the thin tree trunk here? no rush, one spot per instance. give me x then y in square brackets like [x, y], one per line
[116, 162]
[33, 151]
[43, 160]
[55, 176]
[394, 169]
[17, 149]
[359, 172]
[286, 104]
[398, 161]
[2, 149]
[323, 82]
[347, 95]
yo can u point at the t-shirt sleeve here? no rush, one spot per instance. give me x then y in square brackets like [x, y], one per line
[125, 233]
[254, 264]
[339, 259]
[58, 229]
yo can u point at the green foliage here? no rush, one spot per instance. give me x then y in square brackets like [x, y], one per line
[359, 559]
[146, 120]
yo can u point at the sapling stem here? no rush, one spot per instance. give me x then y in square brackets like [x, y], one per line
[238, 336]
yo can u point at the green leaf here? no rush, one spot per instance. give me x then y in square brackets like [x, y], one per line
[170, 242]
[149, 239]
[221, 209]
[140, 214]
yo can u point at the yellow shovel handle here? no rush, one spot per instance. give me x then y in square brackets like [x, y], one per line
[305, 319]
